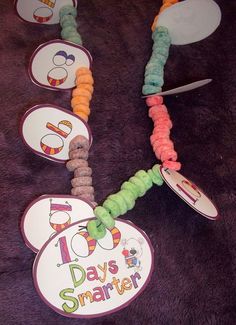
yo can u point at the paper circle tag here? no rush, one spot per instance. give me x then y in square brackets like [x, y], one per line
[190, 193]
[41, 11]
[80, 277]
[50, 214]
[190, 21]
[48, 130]
[53, 65]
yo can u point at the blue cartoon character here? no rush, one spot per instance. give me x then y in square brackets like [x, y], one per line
[132, 251]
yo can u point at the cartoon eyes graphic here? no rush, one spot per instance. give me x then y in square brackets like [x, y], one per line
[61, 58]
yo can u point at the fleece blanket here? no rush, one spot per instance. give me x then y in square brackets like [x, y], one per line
[195, 258]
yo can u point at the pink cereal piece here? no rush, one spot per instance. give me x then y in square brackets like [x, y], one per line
[79, 142]
[78, 154]
[174, 165]
[81, 181]
[164, 133]
[154, 100]
[71, 165]
[169, 155]
[157, 109]
[165, 142]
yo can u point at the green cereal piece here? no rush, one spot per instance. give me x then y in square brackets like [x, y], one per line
[162, 29]
[104, 216]
[155, 174]
[154, 80]
[75, 39]
[68, 21]
[112, 207]
[140, 184]
[149, 89]
[154, 69]
[160, 50]
[68, 31]
[96, 229]
[158, 58]
[120, 201]
[132, 188]
[128, 197]
[141, 174]
[68, 10]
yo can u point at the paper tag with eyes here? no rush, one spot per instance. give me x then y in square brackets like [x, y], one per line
[50, 214]
[41, 11]
[190, 193]
[53, 65]
[48, 129]
[80, 277]
[190, 21]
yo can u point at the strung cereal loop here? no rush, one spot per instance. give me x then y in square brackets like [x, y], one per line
[82, 94]
[166, 4]
[163, 147]
[82, 181]
[124, 200]
[154, 71]
[68, 23]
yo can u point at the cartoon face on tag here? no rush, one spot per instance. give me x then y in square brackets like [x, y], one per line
[41, 11]
[50, 214]
[80, 277]
[190, 21]
[48, 130]
[53, 65]
[190, 193]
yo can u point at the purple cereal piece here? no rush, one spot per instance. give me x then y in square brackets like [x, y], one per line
[81, 181]
[71, 165]
[78, 154]
[82, 171]
[79, 142]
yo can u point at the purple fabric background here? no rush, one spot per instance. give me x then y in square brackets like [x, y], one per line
[195, 259]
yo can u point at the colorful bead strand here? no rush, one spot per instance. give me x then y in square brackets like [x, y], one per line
[82, 181]
[119, 203]
[82, 94]
[154, 71]
[68, 23]
[163, 147]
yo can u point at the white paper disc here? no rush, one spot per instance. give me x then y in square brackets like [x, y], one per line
[190, 21]
[47, 130]
[190, 193]
[53, 65]
[41, 11]
[80, 277]
[50, 214]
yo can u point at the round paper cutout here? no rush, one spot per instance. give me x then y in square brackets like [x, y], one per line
[50, 214]
[47, 130]
[81, 278]
[190, 193]
[53, 65]
[190, 21]
[41, 11]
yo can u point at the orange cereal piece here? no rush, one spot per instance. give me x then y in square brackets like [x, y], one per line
[82, 115]
[166, 4]
[87, 87]
[83, 71]
[81, 108]
[81, 92]
[85, 79]
[79, 100]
